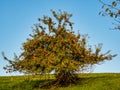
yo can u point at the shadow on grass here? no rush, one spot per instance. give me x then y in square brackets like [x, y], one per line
[47, 84]
[27, 85]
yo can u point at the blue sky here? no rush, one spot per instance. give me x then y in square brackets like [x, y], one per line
[18, 16]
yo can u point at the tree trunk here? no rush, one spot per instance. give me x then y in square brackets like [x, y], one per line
[65, 78]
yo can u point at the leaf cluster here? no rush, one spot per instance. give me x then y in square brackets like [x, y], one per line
[113, 10]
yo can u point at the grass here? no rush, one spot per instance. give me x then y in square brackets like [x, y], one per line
[101, 81]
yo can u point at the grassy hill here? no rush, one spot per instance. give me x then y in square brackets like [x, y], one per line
[100, 81]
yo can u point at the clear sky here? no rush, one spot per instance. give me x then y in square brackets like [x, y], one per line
[18, 16]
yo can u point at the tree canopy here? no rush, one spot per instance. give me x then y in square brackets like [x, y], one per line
[53, 46]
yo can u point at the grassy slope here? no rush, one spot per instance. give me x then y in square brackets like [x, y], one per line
[105, 81]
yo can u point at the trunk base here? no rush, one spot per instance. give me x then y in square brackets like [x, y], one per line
[63, 79]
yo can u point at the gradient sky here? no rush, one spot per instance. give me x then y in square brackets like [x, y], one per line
[18, 16]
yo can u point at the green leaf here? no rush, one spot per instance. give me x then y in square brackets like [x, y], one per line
[111, 14]
[114, 4]
[107, 10]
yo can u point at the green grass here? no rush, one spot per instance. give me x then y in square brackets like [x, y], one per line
[101, 81]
